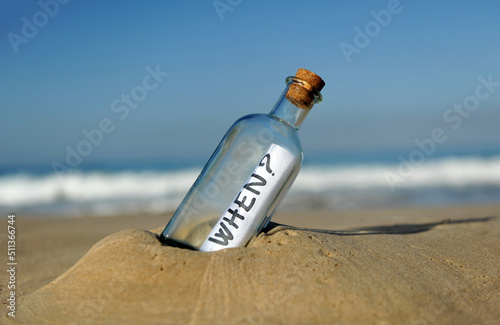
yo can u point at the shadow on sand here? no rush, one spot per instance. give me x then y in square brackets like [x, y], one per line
[400, 229]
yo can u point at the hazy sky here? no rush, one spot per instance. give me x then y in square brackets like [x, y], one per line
[165, 79]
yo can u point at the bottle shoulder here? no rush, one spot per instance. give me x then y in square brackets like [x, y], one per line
[269, 121]
[268, 129]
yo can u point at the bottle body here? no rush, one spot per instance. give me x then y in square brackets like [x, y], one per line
[240, 187]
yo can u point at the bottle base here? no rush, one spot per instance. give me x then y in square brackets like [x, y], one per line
[175, 243]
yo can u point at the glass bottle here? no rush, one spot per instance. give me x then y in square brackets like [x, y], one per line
[248, 175]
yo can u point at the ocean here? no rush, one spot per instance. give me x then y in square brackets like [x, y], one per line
[332, 181]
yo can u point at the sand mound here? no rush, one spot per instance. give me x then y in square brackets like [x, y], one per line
[444, 274]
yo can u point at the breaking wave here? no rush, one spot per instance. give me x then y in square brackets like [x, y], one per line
[447, 180]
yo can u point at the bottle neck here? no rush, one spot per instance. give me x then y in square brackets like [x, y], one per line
[286, 109]
[289, 113]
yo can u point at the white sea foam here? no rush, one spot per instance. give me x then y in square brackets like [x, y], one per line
[108, 193]
[450, 172]
[105, 190]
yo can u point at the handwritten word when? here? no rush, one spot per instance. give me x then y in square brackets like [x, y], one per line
[250, 189]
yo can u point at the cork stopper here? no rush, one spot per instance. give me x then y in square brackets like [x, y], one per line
[302, 95]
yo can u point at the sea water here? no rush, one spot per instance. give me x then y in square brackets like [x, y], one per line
[333, 181]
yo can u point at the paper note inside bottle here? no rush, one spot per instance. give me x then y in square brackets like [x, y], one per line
[251, 205]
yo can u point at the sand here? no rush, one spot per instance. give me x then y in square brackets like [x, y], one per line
[400, 266]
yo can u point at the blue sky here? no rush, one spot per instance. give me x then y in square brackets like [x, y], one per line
[398, 85]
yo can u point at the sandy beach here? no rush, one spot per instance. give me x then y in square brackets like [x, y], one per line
[438, 265]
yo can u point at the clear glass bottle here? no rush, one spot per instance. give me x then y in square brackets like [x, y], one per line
[248, 175]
